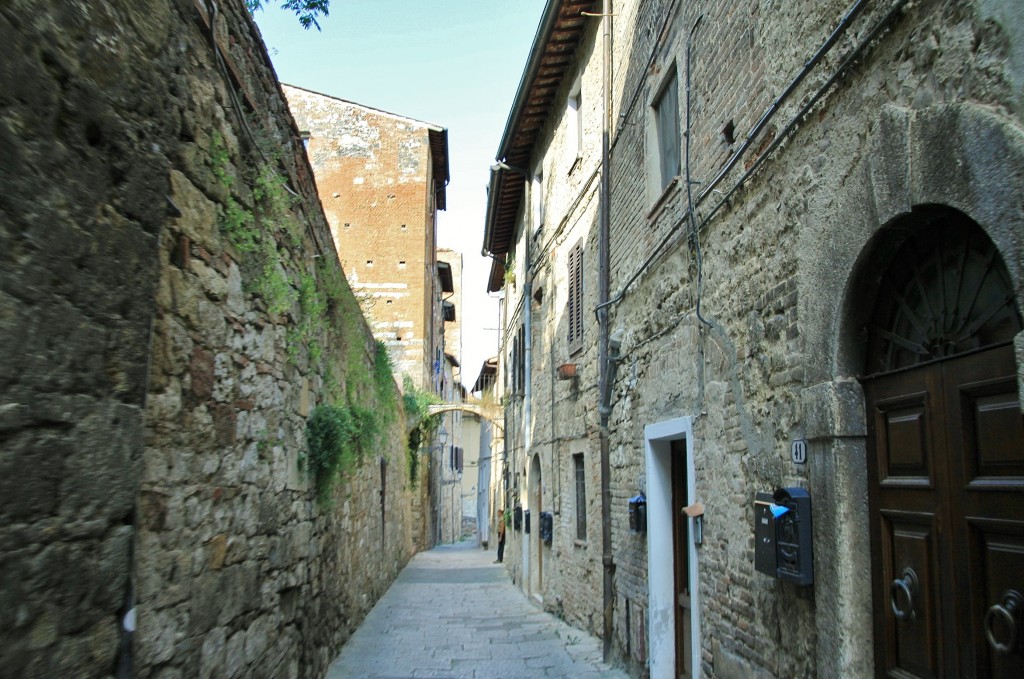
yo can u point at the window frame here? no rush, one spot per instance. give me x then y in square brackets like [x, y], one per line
[574, 123]
[580, 476]
[537, 199]
[661, 141]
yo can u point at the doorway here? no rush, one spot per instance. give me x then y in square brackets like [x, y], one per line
[945, 457]
[673, 601]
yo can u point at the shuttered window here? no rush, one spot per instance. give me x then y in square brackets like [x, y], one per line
[575, 311]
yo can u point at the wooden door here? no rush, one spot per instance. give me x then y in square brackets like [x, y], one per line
[946, 492]
[681, 560]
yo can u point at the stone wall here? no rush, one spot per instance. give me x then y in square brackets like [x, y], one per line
[773, 281]
[762, 287]
[173, 311]
[374, 172]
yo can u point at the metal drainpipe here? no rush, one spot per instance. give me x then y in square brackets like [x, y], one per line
[527, 398]
[603, 247]
[527, 351]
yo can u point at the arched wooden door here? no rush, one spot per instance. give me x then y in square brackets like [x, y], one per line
[946, 457]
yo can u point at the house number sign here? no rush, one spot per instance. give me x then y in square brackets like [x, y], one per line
[799, 451]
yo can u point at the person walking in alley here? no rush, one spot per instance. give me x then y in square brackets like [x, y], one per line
[501, 536]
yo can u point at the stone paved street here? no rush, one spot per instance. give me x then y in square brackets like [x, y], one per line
[452, 613]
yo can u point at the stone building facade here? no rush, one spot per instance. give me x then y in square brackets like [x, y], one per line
[173, 312]
[802, 244]
[381, 179]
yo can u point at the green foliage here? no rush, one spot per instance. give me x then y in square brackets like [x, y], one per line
[256, 232]
[359, 425]
[424, 425]
[384, 382]
[330, 436]
[306, 10]
[510, 269]
[359, 398]
[338, 439]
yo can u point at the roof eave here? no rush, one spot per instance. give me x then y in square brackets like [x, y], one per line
[559, 33]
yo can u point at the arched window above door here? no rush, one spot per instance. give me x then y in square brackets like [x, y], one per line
[945, 291]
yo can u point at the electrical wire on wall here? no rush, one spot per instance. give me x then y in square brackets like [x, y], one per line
[694, 233]
[690, 218]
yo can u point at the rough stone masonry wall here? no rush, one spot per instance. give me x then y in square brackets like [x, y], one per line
[159, 468]
[741, 379]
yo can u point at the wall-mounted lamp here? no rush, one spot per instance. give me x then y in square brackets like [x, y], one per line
[696, 512]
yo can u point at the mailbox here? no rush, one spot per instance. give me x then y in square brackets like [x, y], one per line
[638, 514]
[526, 522]
[765, 560]
[547, 522]
[517, 518]
[782, 535]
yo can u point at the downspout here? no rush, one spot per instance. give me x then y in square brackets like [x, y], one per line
[603, 249]
[527, 396]
[527, 348]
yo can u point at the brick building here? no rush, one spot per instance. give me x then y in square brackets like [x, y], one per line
[381, 179]
[800, 230]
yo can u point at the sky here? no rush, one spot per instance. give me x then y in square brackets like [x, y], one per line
[454, 63]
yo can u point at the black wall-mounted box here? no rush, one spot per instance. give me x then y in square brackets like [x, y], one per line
[547, 524]
[782, 535]
[638, 514]
[765, 560]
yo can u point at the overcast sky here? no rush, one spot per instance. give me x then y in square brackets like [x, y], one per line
[454, 63]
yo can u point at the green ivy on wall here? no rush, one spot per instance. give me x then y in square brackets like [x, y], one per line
[422, 425]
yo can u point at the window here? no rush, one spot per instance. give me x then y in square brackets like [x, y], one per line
[574, 123]
[537, 198]
[666, 127]
[575, 304]
[455, 458]
[581, 496]
[369, 262]
[518, 385]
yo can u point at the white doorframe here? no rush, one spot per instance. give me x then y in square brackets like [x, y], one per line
[661, 581]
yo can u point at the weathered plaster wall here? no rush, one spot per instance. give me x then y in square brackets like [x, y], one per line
[153, 401]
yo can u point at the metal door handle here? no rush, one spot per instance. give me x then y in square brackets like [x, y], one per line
[901, 595]
[1008, 612]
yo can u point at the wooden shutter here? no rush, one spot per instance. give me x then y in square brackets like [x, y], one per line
[575, 311]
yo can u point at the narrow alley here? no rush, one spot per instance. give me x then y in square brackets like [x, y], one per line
[453, 613]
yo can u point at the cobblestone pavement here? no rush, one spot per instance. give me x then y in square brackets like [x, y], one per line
[454, 614]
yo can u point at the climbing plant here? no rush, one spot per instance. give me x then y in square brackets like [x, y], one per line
[422, 425]
[260, 230]
[359, 396]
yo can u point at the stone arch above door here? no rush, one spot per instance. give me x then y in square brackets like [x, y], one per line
[963, 156]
